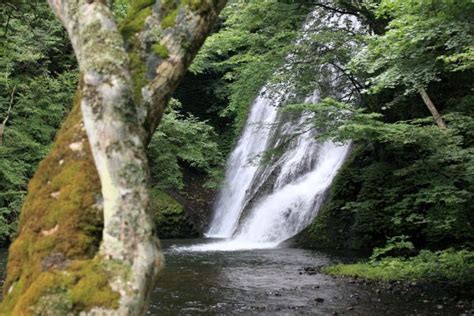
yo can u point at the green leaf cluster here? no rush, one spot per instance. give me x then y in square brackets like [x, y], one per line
[183, 140]
[37, 79]
[423, 40]
[251, 43]
[448, 265]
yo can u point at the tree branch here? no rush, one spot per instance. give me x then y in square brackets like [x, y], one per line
[4, 123]
[430, 105]
[182, 42]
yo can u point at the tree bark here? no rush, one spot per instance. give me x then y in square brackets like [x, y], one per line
[429, 104]
[7, 116]
[2, 130]
[44, 274]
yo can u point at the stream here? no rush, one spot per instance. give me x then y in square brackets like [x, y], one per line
[278, 281]
[274, 282]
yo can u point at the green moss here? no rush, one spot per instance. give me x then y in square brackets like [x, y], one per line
[58, 216]
[134, 21]
[448, 265]
[92, 287]
[138, 69]
[161, 50]
[197, 5]
[164, 204]
[170, 217]
[131, 25]
[169, 20]
[82, 287]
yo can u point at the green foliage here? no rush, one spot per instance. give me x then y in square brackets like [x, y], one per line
[319, 60]
[423, 39]
[252, 42]
[161, 50]
[395, 246]
[406, 177]
[37, 79]
[38, 75]
[412, 178]
[447, 265]
[182, 139]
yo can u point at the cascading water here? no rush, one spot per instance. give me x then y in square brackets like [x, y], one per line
[240, 174]
[263, 204]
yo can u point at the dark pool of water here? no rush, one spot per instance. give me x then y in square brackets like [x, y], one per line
[273, 282]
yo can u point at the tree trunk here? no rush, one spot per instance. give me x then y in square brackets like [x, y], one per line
[2, 130]
[54, 265]
[429, 104]
[7, 116]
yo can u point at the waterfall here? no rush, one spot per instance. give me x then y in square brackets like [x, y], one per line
[240, 174]
[262, 204]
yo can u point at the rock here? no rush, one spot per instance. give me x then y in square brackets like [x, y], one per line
[439, 306]
[312, 270]
[55, 260]
[350, 308]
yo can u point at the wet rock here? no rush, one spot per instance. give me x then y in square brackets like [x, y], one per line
[312, 270]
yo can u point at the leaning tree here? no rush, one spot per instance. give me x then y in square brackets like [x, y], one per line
[86, 243]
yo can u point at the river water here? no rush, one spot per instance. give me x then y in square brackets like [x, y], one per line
[274, 282]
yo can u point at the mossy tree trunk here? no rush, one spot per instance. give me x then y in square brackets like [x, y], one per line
[92, 189]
